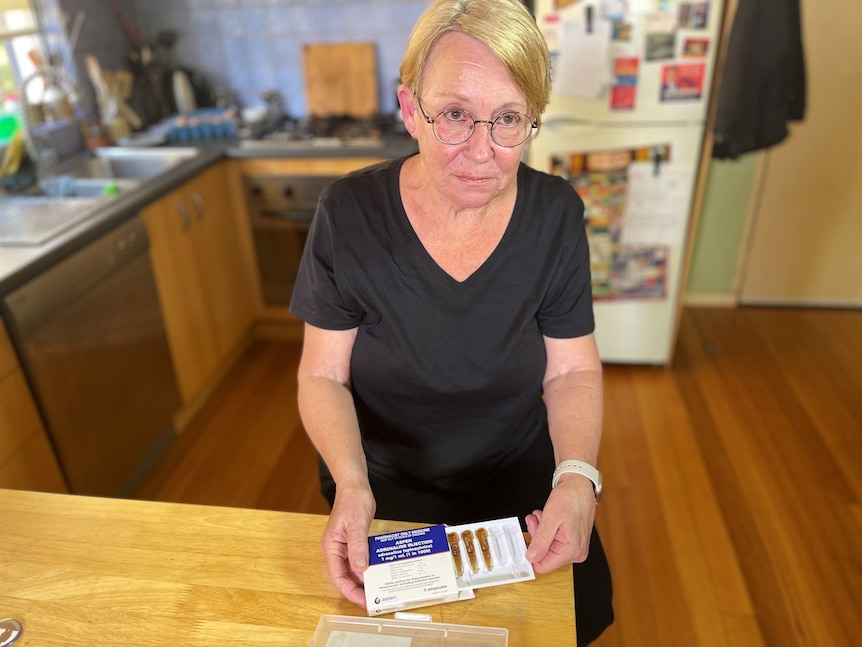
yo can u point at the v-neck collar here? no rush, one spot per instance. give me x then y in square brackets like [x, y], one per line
[418, 249]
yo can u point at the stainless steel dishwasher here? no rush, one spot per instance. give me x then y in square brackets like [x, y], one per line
[90, 335]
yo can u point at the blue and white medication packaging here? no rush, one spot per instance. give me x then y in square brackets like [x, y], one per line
[408, 569]
[436, 564]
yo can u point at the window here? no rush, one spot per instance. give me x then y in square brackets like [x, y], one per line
[19, 55]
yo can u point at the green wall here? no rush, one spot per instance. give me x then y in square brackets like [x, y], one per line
[721, 227]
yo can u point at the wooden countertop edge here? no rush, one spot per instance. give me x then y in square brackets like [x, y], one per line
[73, 562]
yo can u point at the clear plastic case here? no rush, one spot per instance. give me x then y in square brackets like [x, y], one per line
[489, 553]
[348, 631]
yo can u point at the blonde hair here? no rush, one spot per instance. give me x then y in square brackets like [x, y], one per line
[505, 26]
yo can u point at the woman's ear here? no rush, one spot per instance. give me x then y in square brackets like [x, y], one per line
[408, 108]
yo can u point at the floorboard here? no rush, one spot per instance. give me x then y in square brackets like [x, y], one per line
[733, 479]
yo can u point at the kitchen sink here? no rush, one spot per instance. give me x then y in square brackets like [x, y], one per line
[74, 189]
[69, 186]
[31, 220]
[117, 162]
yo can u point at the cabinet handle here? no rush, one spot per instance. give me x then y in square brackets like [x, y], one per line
[199, 205]
[184, 213]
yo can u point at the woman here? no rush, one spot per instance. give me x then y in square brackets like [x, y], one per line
[449, 362]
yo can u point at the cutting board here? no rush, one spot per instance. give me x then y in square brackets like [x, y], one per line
[341, 79]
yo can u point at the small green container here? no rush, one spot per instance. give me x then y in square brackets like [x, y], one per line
[9, 123]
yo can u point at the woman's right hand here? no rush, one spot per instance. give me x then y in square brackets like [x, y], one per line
[345, 541]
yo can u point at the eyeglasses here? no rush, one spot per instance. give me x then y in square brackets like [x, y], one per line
[453, 126]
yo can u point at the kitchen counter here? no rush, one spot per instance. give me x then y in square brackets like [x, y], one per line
[396, 145]
[91, 571]
[19, 264]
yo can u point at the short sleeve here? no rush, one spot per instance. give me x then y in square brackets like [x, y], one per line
[566, 309]
[316, 298]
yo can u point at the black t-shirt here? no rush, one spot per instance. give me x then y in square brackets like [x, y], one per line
[446, 375]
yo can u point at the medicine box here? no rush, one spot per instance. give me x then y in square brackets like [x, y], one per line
[436, 564]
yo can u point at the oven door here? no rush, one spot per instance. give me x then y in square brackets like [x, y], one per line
[281, 208]
[279, 238]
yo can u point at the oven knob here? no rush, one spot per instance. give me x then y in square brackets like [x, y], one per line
[256, 191]
[287, 191]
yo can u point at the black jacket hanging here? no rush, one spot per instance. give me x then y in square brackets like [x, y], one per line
[763, 79]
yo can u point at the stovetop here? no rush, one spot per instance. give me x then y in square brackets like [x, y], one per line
[326, 132]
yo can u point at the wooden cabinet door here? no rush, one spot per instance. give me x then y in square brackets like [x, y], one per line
[205, 290]
[173, 249]
[27, 461]
[224, 276]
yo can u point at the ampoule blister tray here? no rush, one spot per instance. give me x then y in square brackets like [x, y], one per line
[489, 553]
[436, 564]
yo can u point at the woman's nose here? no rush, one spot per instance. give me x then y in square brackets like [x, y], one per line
[481, 141]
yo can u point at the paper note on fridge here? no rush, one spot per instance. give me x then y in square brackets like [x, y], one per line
[657, 205]
[584, 65]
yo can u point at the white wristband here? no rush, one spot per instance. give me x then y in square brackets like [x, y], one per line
[582, 468]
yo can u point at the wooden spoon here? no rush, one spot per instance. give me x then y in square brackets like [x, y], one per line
[97, 78]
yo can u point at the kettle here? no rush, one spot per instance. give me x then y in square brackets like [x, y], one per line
[183, 92]
[187, 90]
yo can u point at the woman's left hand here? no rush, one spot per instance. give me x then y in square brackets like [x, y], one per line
[560, 534]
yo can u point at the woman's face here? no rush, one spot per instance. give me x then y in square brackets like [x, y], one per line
[464, 74]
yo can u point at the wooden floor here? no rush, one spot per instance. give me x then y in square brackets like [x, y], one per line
[733, 480]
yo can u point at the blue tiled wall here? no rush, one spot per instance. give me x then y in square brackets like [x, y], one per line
[248, 46]
[100, 34]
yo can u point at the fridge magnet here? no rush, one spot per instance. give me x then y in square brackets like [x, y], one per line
[656, 209]
[584, 64]
[550, 27]
[660, 47]
[641, 7]
[682, 82]
[624, 90]
[623, 97]
[641, 272]
[619, 271]
[614, 9]
[693, 15]
[626, 70]
[659, 23]
[621, 31]
[695, 47]
[561, 4]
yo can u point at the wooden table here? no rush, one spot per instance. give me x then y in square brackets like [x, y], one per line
[90, 571]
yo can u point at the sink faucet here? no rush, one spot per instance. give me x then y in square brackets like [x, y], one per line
[61, 93]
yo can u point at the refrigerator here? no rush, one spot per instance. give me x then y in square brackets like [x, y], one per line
[625, 125]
